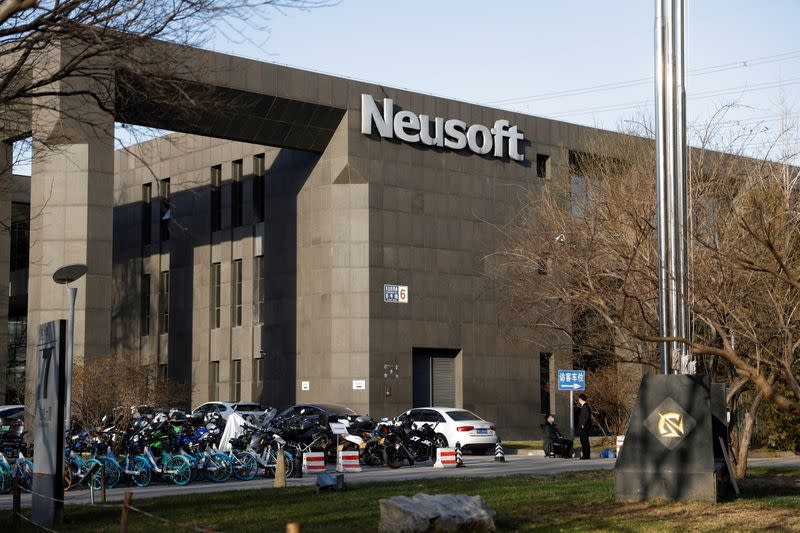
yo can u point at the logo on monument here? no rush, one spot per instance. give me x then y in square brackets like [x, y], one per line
[670, 423]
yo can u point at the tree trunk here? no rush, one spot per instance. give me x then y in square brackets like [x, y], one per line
[745, 436]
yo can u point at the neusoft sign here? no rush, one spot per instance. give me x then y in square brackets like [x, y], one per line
[452, 133]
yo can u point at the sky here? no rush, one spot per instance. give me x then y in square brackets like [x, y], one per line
[526, 55]
[580, 61]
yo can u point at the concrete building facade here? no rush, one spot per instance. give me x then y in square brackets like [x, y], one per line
[248, 256]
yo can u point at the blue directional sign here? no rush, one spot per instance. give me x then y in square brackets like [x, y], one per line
[571, 380]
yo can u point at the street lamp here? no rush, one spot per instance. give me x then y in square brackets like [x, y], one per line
[64, 276]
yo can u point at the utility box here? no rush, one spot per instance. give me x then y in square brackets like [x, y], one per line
[48, 425]
[676, 442]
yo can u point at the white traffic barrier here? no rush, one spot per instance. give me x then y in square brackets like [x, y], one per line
[445, 458]
[499, 454]
[347, 461]
[620, 441]
[313, 462]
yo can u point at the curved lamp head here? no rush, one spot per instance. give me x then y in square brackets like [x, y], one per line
[69, 273]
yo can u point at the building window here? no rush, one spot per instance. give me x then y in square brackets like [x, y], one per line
[578, 195]
[236, 194]
[544, 381]
[237, 380]
[542, 166]
[213, 380]
[163, 303]
[166, 210]
[258, 370]
[144, 315]
[216, 197]
[216, 292]
[259, 291]
[147, 198]
[20, 236]
[236, 309]
[162, 372]
[259, 191]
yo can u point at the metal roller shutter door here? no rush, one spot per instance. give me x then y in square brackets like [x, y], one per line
[443, 374]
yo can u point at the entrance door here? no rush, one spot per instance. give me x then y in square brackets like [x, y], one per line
[434, 377]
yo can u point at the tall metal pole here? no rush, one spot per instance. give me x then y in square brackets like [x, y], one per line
[73, 294]
[662, 197]
[671, 185]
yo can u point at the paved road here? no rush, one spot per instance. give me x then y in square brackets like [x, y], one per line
[475, 467]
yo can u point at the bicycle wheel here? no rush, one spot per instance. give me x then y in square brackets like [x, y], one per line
[142, 473]
[245, 466]
[218, 467]
[179, 469]
[95, 481]
[113, 471]
[23, 469]
[67, 477]
[6, 479]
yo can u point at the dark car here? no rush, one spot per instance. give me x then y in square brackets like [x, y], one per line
[324, 411]
[12, 424]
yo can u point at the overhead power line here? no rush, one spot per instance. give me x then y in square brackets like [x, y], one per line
[713, 69]
[696, 96]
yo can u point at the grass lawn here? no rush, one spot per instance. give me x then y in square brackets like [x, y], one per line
[568, 502]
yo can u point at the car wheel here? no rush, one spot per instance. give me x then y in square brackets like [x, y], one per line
[441, 441]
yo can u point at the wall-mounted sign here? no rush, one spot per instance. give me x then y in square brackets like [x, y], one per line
[359, 384]
[305, 385]
[452, 133]
[396, 294]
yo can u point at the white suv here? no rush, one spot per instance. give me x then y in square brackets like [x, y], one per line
[453, 425]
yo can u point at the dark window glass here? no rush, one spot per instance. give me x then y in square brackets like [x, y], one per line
[166, 210]
[163, 303]
[213, 380]
[461, 416]
[259, 291]
[216, 292]
[145, 305]
[542, 166]
[216, 198]
[258, 370]
[237, 380]
[162, 372]
[147, 203]
[259, 191]
[236, 309]
[236, 194]
[20, 235]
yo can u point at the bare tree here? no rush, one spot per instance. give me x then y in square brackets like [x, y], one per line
[103, 50]
[601, 243]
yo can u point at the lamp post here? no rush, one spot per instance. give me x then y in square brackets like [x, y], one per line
[64, 276]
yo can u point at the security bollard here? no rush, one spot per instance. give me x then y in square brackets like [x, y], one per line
[499, 454]
[126, 509]
[280, 470]
[459, 458]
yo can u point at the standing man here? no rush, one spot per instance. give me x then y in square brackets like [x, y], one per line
[584, 425]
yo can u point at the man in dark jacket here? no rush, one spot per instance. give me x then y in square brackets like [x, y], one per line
[584, 426]
[554, 442]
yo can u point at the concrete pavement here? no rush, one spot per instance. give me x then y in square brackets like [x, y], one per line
[482, 466]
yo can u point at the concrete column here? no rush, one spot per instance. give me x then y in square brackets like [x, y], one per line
[6, 161]
[72, 196]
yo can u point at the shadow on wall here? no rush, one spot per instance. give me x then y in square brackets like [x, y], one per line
[190, 229]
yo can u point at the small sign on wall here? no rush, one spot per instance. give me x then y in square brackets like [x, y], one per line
[359, 384]
[305, 385]
[396, 294]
